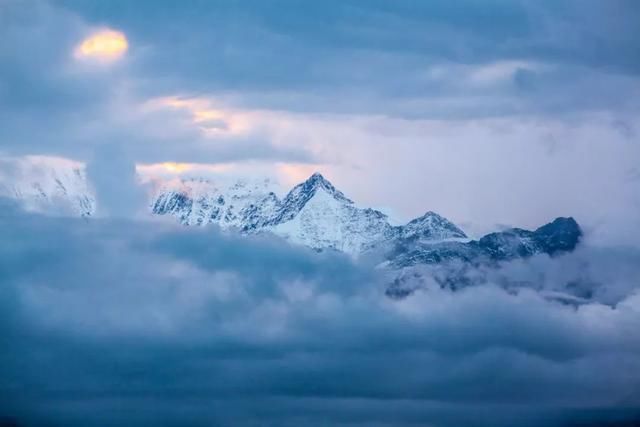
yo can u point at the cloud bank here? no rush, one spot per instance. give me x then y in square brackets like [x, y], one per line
[118, 322]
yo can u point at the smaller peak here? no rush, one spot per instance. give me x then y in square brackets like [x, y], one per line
[428, 214]
[566, 225]
[427, 217]
[560, 235]
[432, 225]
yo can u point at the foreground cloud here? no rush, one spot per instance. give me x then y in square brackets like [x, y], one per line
[114, 322]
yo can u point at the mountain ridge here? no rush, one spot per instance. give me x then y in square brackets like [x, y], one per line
[316, 214]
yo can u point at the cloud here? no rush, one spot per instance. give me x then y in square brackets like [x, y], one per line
[52, 103]
[107, 45]
[506, 111]
[193, 326]
[380, 97]
[343, 59]
[113, 178]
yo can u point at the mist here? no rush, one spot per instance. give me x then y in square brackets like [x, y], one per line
[126, 322]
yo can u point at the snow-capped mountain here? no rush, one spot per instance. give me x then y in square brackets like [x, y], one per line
[313, 213]
[459, 264]
[560, 235]
[316, 214]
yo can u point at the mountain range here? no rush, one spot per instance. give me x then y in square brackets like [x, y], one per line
[313, 213]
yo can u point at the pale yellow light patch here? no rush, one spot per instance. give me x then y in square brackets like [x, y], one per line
[200, 116]
[211, 120]
[151, 170]
[103, 45]
[176, 167]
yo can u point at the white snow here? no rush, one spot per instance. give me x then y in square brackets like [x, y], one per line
[313, 214]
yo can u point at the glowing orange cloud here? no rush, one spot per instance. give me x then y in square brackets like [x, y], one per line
[104, 45]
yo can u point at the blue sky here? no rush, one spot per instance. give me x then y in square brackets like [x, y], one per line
[490, 112]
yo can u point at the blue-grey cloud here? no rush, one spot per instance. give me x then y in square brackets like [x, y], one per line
[113, 177]
[50, 103]
[191, 326]
[350, 56]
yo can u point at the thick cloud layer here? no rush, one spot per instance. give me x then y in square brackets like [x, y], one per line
[115, 322]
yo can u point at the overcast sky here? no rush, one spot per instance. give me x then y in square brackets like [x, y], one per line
[488, 112]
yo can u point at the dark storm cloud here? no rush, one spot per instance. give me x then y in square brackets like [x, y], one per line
[114, 322]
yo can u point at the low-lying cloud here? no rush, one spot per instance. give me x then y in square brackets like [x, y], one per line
[121, 322]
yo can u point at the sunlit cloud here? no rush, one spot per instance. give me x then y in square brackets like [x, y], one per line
[293, 173]
[158, 170]
[105, 44]
[209, 118]
[176, 167]
[282, 175]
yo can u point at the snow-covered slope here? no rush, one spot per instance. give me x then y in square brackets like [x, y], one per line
[242, 204]
[430, 226]
[314, 213]
[56, 186]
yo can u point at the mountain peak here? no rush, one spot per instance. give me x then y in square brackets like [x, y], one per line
[318, 180]
[426, 216]
[431, 226]
[298, 197]
[316, 176]
[562, 234]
